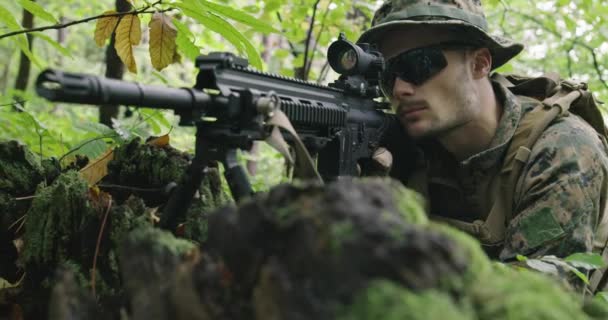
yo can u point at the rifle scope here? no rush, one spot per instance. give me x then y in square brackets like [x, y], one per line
[347, 58]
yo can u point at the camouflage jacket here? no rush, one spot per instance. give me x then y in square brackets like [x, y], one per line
[557, 202]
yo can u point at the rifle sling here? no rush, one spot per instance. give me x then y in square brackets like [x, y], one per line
[305, 165]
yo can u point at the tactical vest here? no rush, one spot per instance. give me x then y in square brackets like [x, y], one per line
[554, 98]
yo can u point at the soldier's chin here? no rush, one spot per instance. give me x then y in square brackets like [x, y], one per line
[418, 133]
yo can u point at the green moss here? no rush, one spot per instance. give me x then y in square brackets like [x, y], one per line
[478, 262]
[57, 213]
[127, 217]
[507, 293]
[211, 197]
[596, 308]
[388, 301]
[409, 203]
[340, 232]
[20, 169]
[160, 242]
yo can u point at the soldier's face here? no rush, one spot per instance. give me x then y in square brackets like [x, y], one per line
[441, 103]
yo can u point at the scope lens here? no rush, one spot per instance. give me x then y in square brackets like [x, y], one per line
[348, 60]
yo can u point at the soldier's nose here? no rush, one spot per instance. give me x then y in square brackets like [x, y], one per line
[403, 88]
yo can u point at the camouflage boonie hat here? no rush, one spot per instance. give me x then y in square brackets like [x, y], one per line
[465, 14]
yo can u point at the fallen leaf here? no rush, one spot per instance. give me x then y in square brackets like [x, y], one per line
[160, 141]
[98, 168]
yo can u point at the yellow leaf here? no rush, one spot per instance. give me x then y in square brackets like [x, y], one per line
[128, 34]
[159, 141]
[104, 28]
[162, 40]
[98, 168]
[7, 285]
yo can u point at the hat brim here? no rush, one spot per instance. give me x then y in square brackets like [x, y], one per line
[502, 49]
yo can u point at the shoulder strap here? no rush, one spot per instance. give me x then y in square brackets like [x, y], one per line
[531, 127]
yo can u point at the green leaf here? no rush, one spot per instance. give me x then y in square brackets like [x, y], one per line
[580, 275]
[239, 16]
[519, 257]
[95, 127]
[603, 295]
[272, 5]
[184, 41]
[63, 50]
[8, 19]
[588, 261]
[229, 31]
[37, 10]
[93, 148]
[23, 44]
[225, 29]
[21, 40]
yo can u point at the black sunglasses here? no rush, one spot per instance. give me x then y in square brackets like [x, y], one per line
[417, 66]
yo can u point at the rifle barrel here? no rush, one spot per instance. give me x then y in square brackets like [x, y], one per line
[62, 86]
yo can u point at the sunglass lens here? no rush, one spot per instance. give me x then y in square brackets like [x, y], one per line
[414, 66]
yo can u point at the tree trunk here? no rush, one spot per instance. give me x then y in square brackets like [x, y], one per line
[61, 38]
[115, 69]
[23, 75]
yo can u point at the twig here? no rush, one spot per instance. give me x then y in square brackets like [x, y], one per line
[323, 73]
[308, 66]
[85, 143]
[127, 188]
[309, 36]
[17, 221]
[20, 225]
[291, 46]
[25, 198]
[569, 60]
[64, 25]
[101, 228]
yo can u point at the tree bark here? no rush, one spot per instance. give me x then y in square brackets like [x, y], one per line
[115, 69]
[23, 74]
[61, 38]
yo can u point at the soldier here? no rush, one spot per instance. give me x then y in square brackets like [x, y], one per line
[469, 128]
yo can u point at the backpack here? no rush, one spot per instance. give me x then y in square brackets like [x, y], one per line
[559, 97]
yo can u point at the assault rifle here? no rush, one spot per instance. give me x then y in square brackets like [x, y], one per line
[232, 105]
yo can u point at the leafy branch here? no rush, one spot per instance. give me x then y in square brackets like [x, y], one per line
[71, 23]
[308, 66]
[573, 42]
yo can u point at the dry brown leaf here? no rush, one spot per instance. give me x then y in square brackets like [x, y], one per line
[98, 168]
[162, 40]
[177, 58]
[128, 34]
[104, 28]
[160, 141]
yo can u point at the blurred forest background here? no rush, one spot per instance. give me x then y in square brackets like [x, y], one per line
[278, 36]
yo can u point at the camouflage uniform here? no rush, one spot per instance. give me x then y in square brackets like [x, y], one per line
[557, 201]
[560, 193]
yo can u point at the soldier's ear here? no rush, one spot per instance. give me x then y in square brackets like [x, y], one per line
[481, 63]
